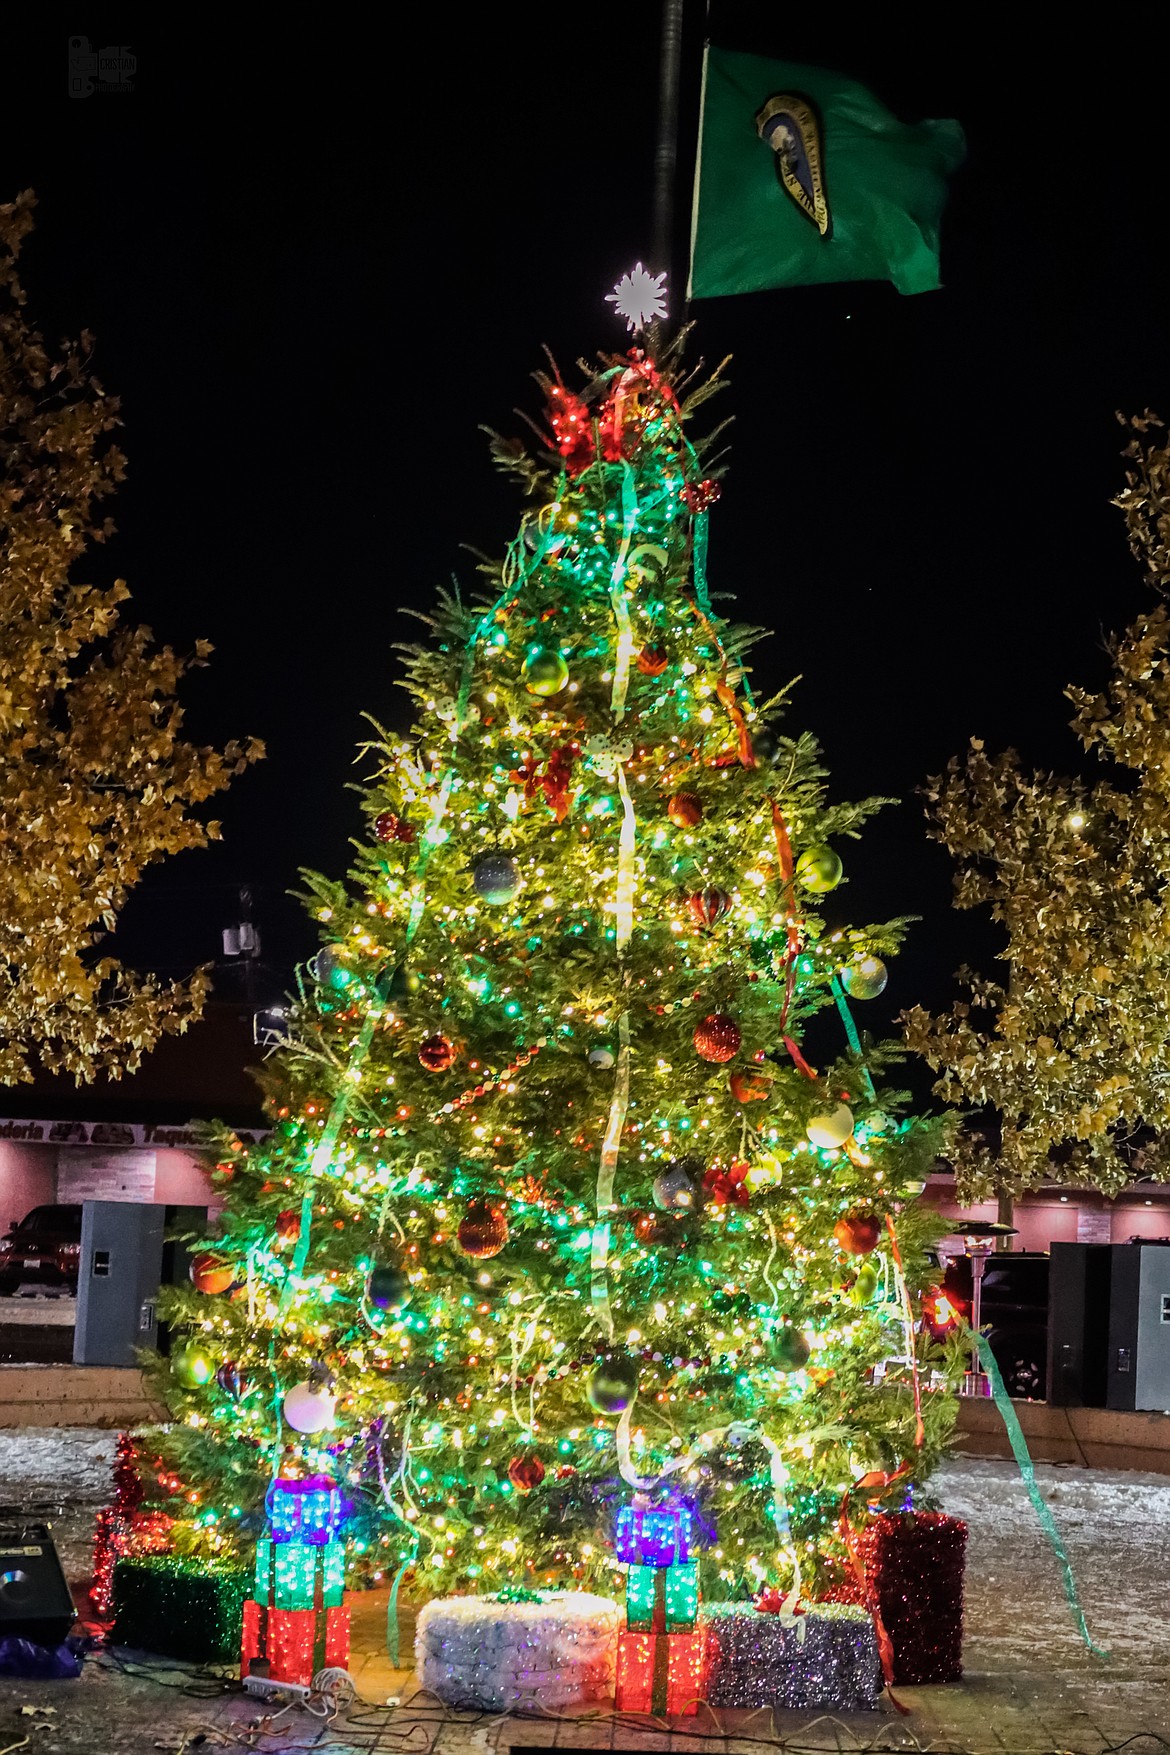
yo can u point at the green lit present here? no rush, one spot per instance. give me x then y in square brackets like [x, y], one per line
[179, 1607]
[292, 1575]
[673, 1589]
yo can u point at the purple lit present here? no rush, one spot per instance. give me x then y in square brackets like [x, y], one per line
[662, 1535]
[310, 1510]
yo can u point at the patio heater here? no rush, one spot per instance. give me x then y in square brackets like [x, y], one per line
[980, 1237]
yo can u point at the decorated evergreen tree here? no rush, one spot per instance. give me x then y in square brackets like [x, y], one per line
[1071, 1052]
[554, 1207]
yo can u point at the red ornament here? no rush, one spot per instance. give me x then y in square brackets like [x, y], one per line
[707, 907]
[436, 1054]
[857, 1232]
[526, 1472]
[209, 1273]
[483, 1230]
[652, 660]
[388, 827]
[717, 1038]
[685, 809]
[749, 1087]
[648, 1228]
[288, 1224]
[700, 496]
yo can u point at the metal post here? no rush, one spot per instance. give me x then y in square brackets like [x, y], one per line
[666, 148]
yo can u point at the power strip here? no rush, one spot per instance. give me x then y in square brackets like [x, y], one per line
[266, 1689]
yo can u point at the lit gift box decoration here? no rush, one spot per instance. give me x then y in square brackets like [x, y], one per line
[655, 1535]
[660, 1655]
[296, 1621]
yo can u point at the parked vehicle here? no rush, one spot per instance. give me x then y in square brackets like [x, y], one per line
[44, 1249]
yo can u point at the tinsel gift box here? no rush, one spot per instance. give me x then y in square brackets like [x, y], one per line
[914, 1565]
[756, 1659]
[179, 1607]
[515, 1656]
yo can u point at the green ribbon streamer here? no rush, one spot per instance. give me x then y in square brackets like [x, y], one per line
[1028, 1474]
[699, 562]
[853, 1038]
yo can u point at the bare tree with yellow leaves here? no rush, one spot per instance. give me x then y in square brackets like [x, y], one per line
[96, 782]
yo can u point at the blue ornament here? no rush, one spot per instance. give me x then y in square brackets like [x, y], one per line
[496, 878]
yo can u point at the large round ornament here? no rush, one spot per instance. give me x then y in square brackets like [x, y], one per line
[496, 878]
[858, 1232]
[332, 970]
[210, 1273]
[192, 1365]
[819, 869]
[231, 1380]
[308, 1409]
[436, 1054]
[483, 1230]
[652, 660]
[749, 1087]
[676, 1189]
[717, 1038]
[865, 979]
[544, 671]
[790, 1349]
[526, 1472]
[600, 1059]
[685, 809]
[707, 907]
[387, 1287]
[832, 1128]
[613, 1384]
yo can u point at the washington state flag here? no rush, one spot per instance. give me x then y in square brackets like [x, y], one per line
[804, 177]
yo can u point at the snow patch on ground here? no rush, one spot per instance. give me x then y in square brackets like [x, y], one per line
[66, 1468]
[1115, 1526]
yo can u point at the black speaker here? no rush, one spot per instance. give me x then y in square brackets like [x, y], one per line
[1080, 1293]
[34, 1598]
[1139, 1328]
[125, 1258]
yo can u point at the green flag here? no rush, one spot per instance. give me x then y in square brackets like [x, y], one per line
[804, 177]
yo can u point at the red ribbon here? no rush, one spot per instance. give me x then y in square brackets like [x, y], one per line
[870, 1483]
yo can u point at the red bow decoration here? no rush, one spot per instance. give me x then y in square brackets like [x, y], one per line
[774, 1602]
[554, 781]
[728, 1185]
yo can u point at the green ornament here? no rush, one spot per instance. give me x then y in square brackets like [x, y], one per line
[866, 1283]
[544, 671]
[819, 869]
[790, 1350]
[192, 1365]
[864, 979]
[613, 1384]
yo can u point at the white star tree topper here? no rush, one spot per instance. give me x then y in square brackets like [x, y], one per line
[639, 297]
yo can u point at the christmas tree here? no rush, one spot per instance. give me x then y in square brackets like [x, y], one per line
[555, 1210]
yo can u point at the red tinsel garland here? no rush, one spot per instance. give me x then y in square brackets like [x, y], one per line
[914, 1564]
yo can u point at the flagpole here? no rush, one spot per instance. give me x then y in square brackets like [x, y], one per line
[666, 146]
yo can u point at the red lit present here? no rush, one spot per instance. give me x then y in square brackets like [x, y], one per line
[659, 1672]
[292, 1634]
[337, 1637]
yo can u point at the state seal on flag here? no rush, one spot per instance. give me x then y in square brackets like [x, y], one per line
[791, 127]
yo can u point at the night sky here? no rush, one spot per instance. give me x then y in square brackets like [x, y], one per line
[316, 261]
